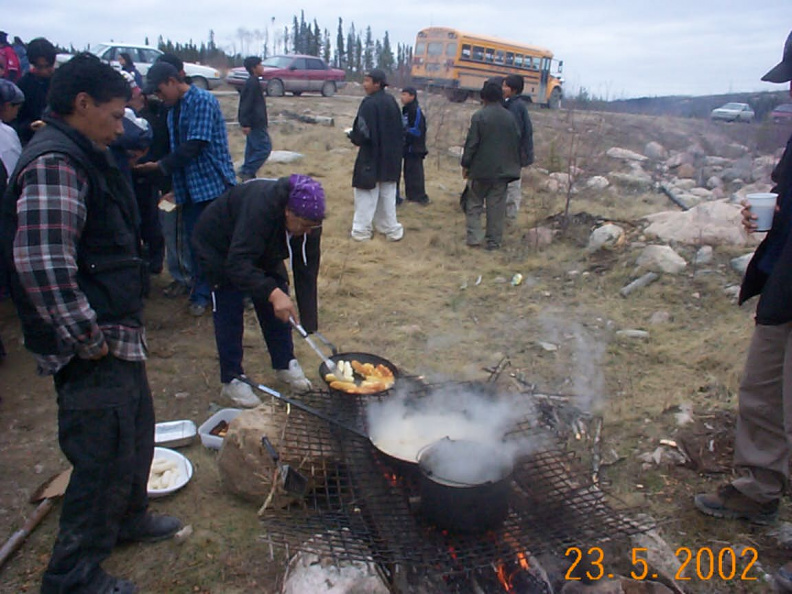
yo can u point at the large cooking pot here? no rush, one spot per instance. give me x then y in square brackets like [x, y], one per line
[465, 484]
[362, 358]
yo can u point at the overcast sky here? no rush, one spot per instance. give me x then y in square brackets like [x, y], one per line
[614, 48]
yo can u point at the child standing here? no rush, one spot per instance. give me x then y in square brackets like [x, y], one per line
[414, 147]
[253, 120]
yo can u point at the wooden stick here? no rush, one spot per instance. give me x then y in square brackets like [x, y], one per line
[16, 540]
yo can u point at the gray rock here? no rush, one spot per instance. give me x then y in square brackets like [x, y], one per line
[597, 182]
[285, 157]
[740, 264]
[603, 237]
[655, 150]
[632, 333]
[703, 255]
[659, 317]
[661, 258]
[624, 154]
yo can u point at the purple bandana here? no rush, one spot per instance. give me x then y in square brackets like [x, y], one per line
[306, 198]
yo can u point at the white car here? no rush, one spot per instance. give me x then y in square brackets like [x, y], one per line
[144, 56]
[733, 112]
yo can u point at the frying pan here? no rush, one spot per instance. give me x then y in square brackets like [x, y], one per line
[329, 363]
[364, 358]
[394, 459]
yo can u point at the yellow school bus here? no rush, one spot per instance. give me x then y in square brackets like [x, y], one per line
[458, 64]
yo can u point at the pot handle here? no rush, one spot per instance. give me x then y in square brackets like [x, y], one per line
[427, 446]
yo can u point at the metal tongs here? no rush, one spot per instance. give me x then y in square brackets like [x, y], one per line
[329, 363]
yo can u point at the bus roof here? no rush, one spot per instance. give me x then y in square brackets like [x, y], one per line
[462, 35]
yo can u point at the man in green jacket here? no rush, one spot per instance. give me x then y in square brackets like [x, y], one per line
[490, 161]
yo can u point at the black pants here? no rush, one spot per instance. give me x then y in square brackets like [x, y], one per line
[147, 197]
[414, 188]
[106, 431]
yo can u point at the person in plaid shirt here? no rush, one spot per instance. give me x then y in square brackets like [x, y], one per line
[72, 246]
[200, 163]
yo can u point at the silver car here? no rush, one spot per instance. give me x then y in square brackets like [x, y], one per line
[733, 112]
[144, 56]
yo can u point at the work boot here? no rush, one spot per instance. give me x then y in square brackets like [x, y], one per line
[240, 393]
[294, 376]
[149, 528]
[730, 504]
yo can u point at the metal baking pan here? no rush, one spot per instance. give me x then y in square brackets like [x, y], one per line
[175, 434]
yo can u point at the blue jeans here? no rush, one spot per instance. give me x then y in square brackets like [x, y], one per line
[201, 293]
[177, 248]
[228, 314]
[257, 149]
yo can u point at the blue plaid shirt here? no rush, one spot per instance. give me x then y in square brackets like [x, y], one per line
[212, 171]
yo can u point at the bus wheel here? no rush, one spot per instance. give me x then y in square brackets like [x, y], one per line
[457, 95]
[555, 99]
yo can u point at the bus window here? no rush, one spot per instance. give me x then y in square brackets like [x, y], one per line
[489, 55]
[499, 57]
[420, 49]
[518, 60]
[465, 52]
[509, 59]
[478, 53]
[451, 49]
[435, 48]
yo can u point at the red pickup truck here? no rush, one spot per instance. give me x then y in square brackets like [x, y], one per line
[296, 74]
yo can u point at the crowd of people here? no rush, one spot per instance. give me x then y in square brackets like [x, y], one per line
[107, 177]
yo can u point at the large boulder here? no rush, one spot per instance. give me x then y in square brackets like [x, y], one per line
[606, 236]
[710, 223]
[661, 258]
[246, 467]
[656, 151]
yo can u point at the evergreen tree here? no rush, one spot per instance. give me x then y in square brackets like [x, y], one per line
[316, 46]
[340, 56]
[326, 47]
[352, 60]
[296, 37]
[386, 55]
[358, 54]
[368, 51]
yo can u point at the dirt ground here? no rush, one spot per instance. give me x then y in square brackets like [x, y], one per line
[437, 308]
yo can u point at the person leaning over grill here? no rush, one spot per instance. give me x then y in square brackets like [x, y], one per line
[241, 241]
[762, 446]
[72, 248]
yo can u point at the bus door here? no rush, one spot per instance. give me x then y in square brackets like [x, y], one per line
[544, 76]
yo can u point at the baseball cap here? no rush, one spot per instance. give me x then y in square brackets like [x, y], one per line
[782, 71]
[10, 93]
[378, 76]
[159, 73]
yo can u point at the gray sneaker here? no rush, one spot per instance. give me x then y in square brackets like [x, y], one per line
[240, 394]
[294, 376]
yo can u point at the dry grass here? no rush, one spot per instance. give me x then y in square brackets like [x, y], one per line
[419, 303]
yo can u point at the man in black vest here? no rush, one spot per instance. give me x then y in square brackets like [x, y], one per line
[71, 243]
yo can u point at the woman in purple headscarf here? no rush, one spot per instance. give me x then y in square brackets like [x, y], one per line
[241, 241]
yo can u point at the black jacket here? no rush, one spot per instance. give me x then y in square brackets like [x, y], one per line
[252, 105]
[414, 129]
[775, 303]
[240, 240]
[519, 109]
[379, 134]
[110, 270]
[35, 89]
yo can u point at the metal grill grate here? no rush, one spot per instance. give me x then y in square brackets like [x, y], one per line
[362, 509]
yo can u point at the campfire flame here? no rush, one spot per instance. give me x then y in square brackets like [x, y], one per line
[508, 570]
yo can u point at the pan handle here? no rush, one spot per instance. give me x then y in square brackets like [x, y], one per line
[327, 343]
[270, 449]
[329, 363]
